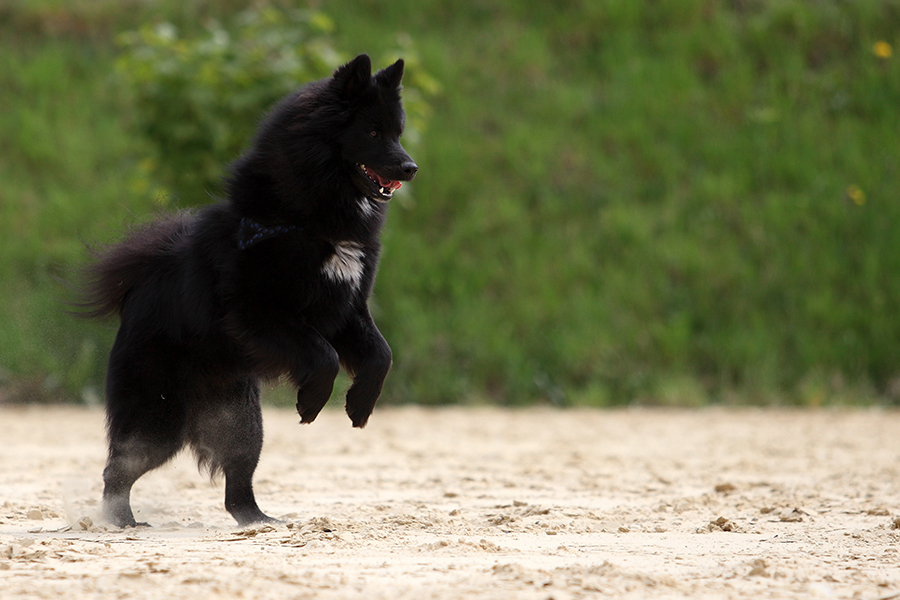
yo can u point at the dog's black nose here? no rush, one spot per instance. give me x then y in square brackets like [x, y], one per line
[409, 170]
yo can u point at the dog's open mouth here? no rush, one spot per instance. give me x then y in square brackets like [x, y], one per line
[384, 188]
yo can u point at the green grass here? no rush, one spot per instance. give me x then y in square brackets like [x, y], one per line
[618, 201]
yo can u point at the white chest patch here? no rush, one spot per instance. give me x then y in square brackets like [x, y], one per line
[345, 265]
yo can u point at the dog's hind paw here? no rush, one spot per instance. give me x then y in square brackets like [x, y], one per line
[253, 516]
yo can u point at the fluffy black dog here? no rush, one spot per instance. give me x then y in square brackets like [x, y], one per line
[272, 281]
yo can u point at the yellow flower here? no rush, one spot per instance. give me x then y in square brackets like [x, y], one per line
[882, 49]
[855, 193]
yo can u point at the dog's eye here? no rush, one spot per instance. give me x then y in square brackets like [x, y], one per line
[373, 133]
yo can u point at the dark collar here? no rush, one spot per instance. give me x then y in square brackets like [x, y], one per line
[252, 233]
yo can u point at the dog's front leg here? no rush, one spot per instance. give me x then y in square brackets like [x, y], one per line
[307, 357]
[367, 358]
[315, 381]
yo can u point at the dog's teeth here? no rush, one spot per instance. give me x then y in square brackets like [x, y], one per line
[362, 166]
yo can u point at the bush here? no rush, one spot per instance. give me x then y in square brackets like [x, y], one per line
[198, 100]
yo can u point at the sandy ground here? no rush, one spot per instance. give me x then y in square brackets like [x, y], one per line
[474, 503]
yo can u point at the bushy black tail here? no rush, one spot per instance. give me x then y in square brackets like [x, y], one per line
[119, 268]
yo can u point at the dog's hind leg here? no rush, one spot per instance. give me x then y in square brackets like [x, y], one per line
[226, 433]
[128, 460]
[144, 433]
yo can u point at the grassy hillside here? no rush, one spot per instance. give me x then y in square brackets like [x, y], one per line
[669, 202]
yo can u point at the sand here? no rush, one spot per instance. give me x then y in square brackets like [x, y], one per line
[477, 503]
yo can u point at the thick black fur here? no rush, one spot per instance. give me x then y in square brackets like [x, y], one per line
[272, 281]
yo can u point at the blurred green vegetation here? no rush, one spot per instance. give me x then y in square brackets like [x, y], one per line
[674, 202]
[198, 99]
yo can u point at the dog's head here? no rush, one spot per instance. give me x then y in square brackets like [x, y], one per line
[370, 144]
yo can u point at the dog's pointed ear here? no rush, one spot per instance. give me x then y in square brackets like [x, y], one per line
[390, 77]
[354, 77]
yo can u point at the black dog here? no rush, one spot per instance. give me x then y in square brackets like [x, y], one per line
[272, 281]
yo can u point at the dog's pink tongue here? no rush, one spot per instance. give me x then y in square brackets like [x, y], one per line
[388, 183]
